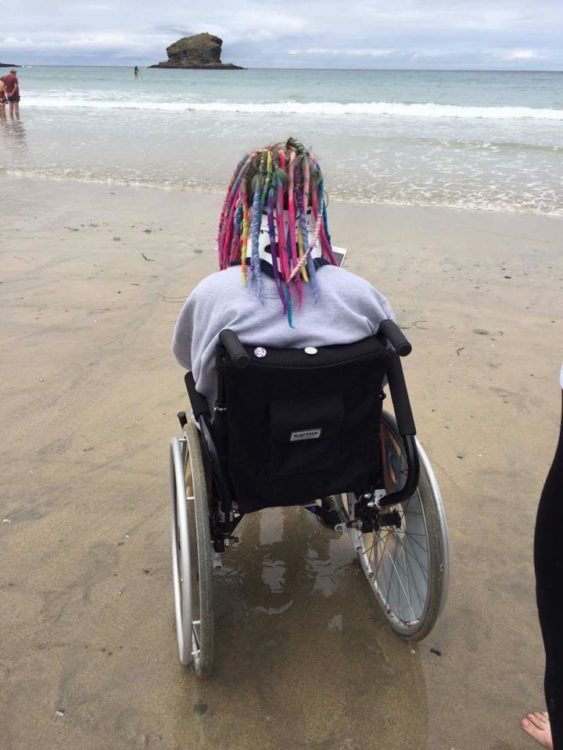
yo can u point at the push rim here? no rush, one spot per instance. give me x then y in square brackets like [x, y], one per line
[194, 568]
[181, 563]
[438, 506]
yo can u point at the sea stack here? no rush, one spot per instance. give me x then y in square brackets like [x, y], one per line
[200, 52]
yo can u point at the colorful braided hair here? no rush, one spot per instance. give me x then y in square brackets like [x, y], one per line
[277, 190]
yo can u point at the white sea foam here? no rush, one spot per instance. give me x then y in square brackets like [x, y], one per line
[478, 141]
[334, 109]
[474, 201]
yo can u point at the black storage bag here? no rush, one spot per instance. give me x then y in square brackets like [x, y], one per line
[303, 426]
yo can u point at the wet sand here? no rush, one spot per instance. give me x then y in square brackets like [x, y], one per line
[92, 279]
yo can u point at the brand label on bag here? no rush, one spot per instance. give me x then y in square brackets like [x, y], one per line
[305, 435]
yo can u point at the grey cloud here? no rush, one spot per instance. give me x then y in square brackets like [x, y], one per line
[261, 33]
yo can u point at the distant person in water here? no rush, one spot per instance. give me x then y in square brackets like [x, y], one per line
[136, 72]
[12, 87]
[547, 728]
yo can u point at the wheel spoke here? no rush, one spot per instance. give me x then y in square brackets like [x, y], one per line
[423, 570]
[404, 563]
[408, 578]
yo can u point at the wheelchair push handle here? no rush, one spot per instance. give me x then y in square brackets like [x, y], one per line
[230, 341]
[391, 331]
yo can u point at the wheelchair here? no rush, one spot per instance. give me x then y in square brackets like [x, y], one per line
[307, 427]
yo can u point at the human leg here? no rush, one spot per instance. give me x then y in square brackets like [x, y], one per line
[548, 563]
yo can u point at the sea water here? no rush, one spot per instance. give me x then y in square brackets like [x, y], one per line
[478, 140]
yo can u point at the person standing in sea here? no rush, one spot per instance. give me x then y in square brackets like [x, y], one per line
[547, 729]
[12, 86]
[2, 100]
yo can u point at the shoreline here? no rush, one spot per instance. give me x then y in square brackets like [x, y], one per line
[93, 277]
[11, 174]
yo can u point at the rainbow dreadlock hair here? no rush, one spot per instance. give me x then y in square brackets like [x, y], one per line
[274, 221]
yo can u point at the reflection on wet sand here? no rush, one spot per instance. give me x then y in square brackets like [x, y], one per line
[301, 645]
[14, 132]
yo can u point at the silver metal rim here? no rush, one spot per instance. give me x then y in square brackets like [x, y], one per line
[397, 562]
[181, 563]
[200, 554]
[382, 582]
[443, 521]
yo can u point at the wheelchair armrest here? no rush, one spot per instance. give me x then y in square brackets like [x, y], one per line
[405, 426]
[197, 401]
[230, 341]
[389, 330]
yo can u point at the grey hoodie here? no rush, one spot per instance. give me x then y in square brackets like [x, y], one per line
[348, 309]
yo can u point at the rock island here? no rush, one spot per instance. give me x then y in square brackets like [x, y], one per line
[201, 51]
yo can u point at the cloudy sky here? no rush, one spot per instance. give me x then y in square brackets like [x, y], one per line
[497, 34]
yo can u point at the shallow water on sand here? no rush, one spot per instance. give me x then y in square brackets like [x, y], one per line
[468, 140]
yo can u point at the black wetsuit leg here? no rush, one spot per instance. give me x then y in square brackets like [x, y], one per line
[548, 562]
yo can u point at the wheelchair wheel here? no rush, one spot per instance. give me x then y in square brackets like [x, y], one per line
[191, 552]
[407, 566]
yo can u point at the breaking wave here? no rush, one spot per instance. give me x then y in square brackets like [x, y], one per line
[333, 109]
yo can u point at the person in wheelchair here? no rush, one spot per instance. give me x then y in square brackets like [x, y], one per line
[287, 357]
[279, 282]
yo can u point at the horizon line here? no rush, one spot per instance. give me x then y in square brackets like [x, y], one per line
[245, 68]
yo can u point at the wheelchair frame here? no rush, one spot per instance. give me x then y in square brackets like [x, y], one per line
[202, 526]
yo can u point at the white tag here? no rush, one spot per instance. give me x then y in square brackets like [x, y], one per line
[305, 435]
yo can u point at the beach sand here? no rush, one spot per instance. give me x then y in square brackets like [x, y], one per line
[92, 279]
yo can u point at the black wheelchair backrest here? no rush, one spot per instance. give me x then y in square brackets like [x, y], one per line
[300, 424]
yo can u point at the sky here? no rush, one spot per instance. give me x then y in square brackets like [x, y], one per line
[426, 34]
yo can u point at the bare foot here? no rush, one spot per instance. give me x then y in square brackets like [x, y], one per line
[537, 725]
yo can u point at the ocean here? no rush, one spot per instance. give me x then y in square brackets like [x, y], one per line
[468, 140]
